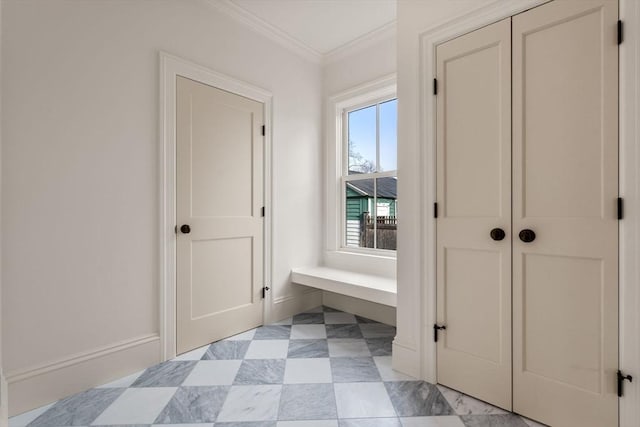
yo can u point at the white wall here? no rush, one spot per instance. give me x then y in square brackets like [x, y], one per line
[414, 17]
[80, 177]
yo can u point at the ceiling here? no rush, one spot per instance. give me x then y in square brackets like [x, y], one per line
[323, 26]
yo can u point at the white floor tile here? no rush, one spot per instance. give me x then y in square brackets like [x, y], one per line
[251, 403]
[23, 419]
[123, 382]
[136, 406]
[307, 332]
[193, 354]
[213, 372]
[307, 371]
[348, 347]
[338, 318]
[467, 405]
[386, 371]
[244, 336]
[308, 423]
[183, 425]
[267, 349]
[440, 421]
[363, 400]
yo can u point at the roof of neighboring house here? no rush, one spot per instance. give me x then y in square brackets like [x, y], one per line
[387, 187]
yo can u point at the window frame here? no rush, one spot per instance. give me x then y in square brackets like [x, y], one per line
[339, 105]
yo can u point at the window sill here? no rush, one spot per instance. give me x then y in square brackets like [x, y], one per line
[368, 287]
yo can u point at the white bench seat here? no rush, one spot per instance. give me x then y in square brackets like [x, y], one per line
[376, 289]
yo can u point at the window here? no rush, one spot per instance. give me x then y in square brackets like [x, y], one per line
[369, 175]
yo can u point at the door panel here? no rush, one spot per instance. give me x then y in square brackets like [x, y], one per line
[474, 271]
[219, 194]
[565, 181]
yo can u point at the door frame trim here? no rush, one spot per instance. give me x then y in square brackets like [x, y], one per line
[170, 67]
[629, 184]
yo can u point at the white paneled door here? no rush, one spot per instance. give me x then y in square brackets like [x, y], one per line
[565, 181]
[474, 195]
[527, 143]
[219, 199]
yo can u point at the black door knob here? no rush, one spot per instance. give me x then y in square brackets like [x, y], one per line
[185, 228]
[527, 235]
[497, 234]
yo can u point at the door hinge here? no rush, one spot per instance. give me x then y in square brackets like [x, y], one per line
[264, 291]
[435, 210]
[435, 86]
[621, 378]
[620, 208]
[264, 130]
[175, 229]
[620, 32]
[436, 328]
[262, 211]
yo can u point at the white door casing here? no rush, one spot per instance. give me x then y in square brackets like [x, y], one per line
[171, 67]
[474, 197]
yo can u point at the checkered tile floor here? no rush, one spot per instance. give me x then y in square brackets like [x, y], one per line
[323, 368]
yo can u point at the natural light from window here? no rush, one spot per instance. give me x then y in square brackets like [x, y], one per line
[370, 184]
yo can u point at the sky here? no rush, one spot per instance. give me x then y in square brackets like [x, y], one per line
[362, 133]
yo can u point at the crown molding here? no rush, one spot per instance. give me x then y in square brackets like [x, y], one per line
[294, 45]
[369, 39]
[264, 28]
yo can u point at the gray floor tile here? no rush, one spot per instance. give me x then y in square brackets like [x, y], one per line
[248, 424]
[273, 332]
[370, 422]
[361, 319]
[417, 398]
[308, 348]
[167, 374]
[343, 331]
[503, 420]
[227, 350]
[379, 346]
[377, 330]
[354, 369]
[261, 371]
[80, 409]
[307, 402]
[305, 318]
[194, 405]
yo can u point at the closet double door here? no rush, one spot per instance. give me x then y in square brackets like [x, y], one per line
[527, 236]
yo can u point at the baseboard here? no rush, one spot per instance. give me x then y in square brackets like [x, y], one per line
[37, 386]
[4, 402]
[371, 310]
[290, 305]
[405, 360]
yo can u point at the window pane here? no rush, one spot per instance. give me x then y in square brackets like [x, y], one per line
[386, 213]
[389, 135]
[359, 207]
[362, 140]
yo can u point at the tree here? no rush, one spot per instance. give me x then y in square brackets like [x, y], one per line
[357, 163]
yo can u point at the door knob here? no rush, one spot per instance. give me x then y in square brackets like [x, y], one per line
[497, 234]
[185, 228]
[527, 235]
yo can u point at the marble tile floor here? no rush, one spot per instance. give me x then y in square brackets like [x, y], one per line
[323, 368]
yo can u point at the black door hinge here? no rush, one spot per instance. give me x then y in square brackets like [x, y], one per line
[262, 211]
[436, 328]
[435, 210]
[620, 208]
[621, 378]
[619, 32]
[264, 130]
[175, 229]
[435, 86]
[264, 291]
